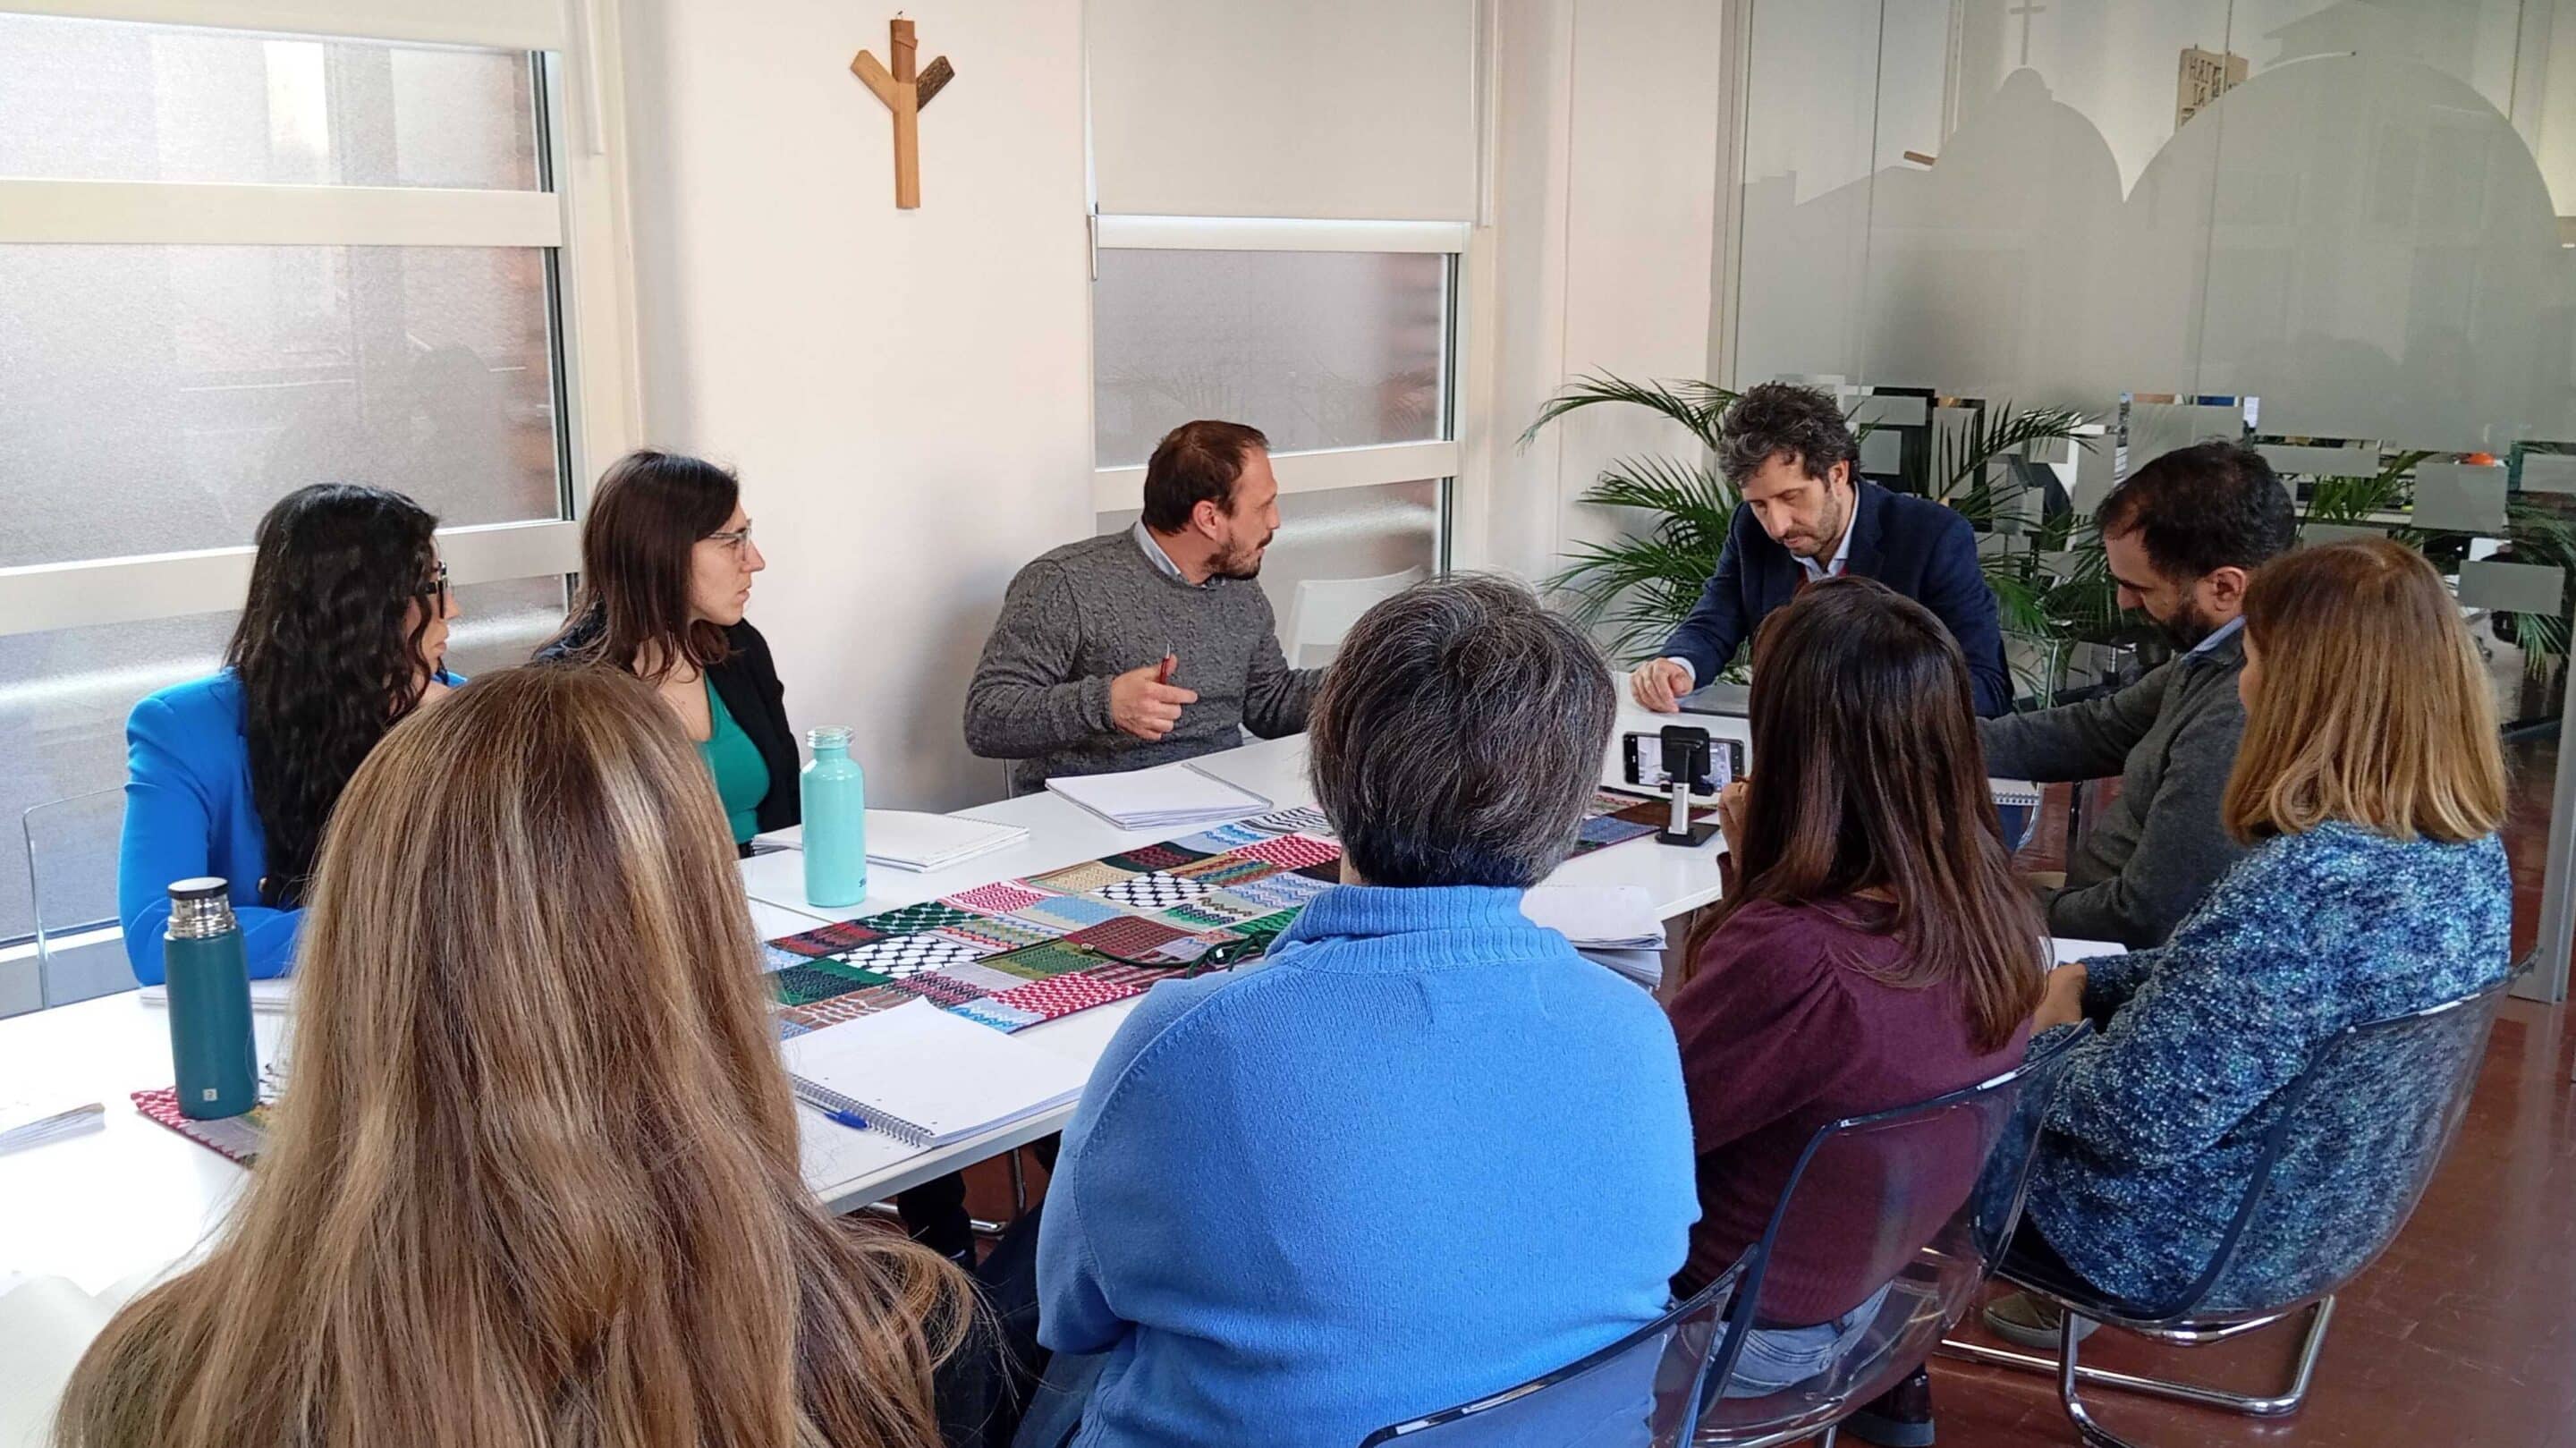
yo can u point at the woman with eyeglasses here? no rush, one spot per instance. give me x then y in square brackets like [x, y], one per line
[233, 775]
[666, 568]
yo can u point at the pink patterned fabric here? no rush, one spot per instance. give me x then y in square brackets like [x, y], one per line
[1292, 852]
[1062, 995]
[999, 898]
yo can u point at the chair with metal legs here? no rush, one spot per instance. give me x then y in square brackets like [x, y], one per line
[71, 883]
[2291, 1246]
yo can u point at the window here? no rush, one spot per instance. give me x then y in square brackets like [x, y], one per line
[235, 261]
[1336, 339]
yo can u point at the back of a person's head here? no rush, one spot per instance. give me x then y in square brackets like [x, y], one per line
[1458, 735]
[2369, 704]
[535, 1174]
[2201, 508]
[1868, 775]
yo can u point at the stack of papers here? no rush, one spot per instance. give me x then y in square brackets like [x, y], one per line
[1612, 925]
[24, 1123]
[926, 1077]
[1171, 797]
[904, 840]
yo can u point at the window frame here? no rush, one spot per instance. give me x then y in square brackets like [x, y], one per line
[574, 220]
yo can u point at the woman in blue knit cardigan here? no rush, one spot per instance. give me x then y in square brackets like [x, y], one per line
[2370, 784]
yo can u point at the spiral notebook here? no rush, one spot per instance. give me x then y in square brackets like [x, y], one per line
[926, 1077]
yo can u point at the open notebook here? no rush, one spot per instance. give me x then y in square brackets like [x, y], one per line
[926, 1077]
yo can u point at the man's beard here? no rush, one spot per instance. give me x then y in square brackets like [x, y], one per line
[1243, 564]
[2188, 627]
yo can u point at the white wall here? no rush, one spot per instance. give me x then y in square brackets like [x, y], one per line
[907, 394]
[1605, 221]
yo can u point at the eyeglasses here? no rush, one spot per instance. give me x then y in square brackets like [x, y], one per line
[737, 540]
[436, 587]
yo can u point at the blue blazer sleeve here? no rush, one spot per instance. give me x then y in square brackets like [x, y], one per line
[1954, 588]
[169, 833]
[1709, 637]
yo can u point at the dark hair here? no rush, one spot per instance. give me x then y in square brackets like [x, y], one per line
[1782, 417]
[1457, 735]
[646, 517]
[1867, 774]
[1196, 462]
[327, 655]
[2198, 509]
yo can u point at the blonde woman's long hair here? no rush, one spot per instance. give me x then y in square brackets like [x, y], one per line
[534, 1180]
[2371, 705]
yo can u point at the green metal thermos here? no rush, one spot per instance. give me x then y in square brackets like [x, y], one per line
[208, 976]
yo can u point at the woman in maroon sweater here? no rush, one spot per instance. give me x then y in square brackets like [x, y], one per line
[1873, 950]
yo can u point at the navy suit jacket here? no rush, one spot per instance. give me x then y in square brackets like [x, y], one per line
[1916, 546]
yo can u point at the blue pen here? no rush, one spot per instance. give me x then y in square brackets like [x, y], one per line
[850, 1119]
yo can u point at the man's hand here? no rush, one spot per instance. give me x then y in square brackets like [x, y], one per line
[1659, 685]
[1143, 704]
[2063, 1005]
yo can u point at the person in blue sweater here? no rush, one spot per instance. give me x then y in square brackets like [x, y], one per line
[2370, 785]
[1423, 1151]
[234, 774]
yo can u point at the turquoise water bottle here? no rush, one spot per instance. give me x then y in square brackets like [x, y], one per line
[211, 1047]
[835, 794]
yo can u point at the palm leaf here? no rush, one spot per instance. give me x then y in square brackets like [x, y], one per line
[1695, 405]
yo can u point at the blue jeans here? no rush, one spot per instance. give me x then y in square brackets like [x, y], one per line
[1775, 1358]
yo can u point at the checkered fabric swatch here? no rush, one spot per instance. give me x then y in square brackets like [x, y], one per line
[1217, 911]
[999, 932]
[1080, 879]
[865, 1002]
[1037, 962]
[1126, 937]
[805, 983]
[1295, 820]
[1226, 871]
[830, 939]
[990, 1012]
[1158, 891]
[1067, 912]
[913, 919]
[1221, 839]
[1156, 857]
[946, 989]
[910, 955]
[1062, 995]
[1293, 852]
[999, 898]
[1282, 891]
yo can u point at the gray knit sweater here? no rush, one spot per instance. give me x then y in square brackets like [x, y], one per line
[2157, 849]
[1089, 611]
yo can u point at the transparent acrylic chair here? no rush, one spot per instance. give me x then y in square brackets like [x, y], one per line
[71, 881]
[2327, 1197]
[1947, 1175]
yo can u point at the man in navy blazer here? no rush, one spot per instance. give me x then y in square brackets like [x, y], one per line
[1807, 514]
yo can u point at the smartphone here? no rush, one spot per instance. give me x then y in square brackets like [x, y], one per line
[1642, 763]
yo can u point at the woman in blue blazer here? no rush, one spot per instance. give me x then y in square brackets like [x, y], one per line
[233, 775]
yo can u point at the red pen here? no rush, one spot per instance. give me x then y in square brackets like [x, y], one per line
[1163, 675]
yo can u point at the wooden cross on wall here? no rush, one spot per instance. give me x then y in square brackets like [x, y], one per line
[904, 93]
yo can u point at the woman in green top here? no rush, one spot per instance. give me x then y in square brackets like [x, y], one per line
[666, 569]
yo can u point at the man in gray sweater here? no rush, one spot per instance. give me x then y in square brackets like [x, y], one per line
[1151, 645]
[2184, 535]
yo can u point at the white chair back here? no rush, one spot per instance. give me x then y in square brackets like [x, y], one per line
[1325, 608]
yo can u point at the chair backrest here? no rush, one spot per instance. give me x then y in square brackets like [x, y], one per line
[2335, 1184]
[1942, 1183]
[1642, 1391]
[71, 880]
[1324, 609]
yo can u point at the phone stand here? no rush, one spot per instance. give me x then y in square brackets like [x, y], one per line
[1686, 759]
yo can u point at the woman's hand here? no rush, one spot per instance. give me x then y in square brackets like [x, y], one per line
[2063, 1005]
[1730, 813]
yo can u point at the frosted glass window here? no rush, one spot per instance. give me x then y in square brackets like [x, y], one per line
[64, 696]
[1339, 536]
[161, 397]
[1317, 349]
[105, 101]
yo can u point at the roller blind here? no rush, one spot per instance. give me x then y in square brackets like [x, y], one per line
[1362, 109]
[501, 24]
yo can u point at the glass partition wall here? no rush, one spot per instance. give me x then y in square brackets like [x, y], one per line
[2334, 229]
